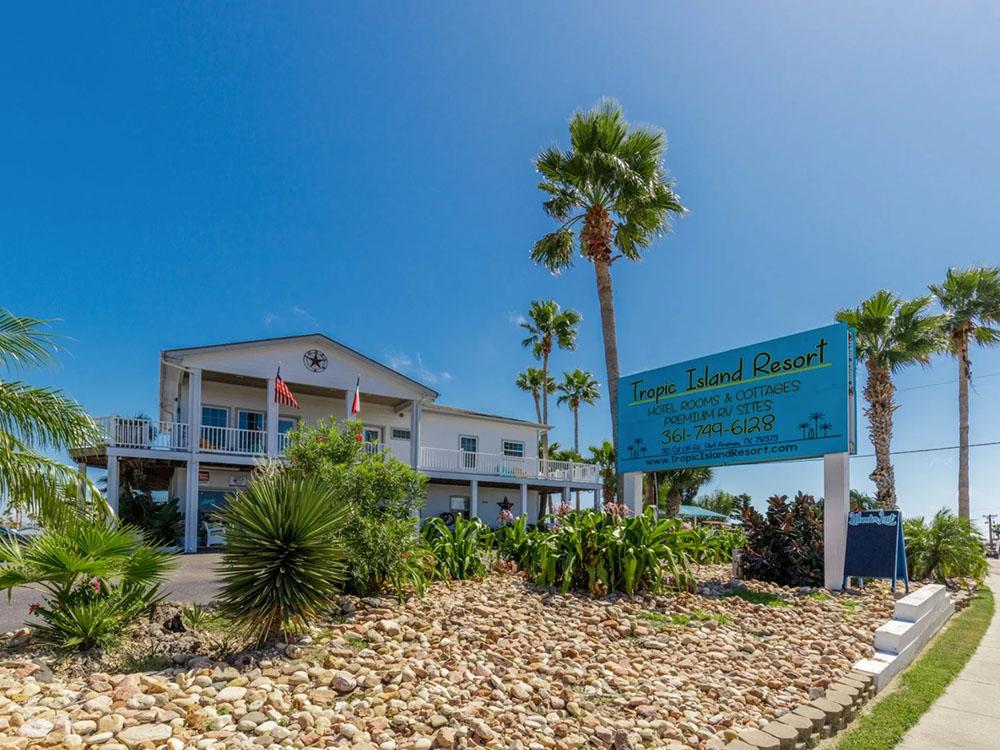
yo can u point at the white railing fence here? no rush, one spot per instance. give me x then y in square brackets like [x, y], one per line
[467, 462]
[233, 440]
[129, 432]
[126, 432]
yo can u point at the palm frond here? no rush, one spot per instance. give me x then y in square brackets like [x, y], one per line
[24, 342]
[44, 417]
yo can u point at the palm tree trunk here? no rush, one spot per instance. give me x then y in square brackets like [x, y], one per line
[538, 407]
[576, 442]
[879, 393]
[963, 428]
[673, 504]
[605, 296]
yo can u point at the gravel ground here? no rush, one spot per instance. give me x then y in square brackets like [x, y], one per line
[495, 663]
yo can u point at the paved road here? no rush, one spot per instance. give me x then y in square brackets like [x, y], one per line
[967, 715]
[192, 581]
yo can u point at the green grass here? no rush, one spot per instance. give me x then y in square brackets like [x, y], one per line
[820, 596]
[922, 683]
[355, 642]
[759, 597]
[660, 619]
[720, 618]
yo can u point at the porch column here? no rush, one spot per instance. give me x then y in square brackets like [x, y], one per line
[524, 498]
[416, 409]
[191, 506]
[565, 496]
[113, 483]
[194, 408]
[271, 423]
[632, 498]
[474, 499]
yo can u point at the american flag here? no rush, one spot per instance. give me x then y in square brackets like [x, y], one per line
[281, 393]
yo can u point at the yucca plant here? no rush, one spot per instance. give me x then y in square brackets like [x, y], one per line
[948, 547]
[285, 554]
[460, 551]
[97, 579]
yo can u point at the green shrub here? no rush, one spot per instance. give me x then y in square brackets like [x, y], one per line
[97, 579]
[459, 552]
[786, 545]
[510, 540]
[709, 545]
[285, 553]
[601, 552]
[947, 547]
[382, 497]
[160, 523]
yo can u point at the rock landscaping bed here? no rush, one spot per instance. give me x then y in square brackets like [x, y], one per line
[495, 662]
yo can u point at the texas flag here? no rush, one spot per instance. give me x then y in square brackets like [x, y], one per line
[356, 403]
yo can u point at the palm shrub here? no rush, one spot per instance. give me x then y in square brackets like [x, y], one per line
[285, 553]
[161, 523]
[459, 552]
[601, 552]
[785, 546]
[382, 498]
[947, 547]
[97, 578]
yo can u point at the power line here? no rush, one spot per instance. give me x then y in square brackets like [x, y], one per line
[928, 450]
[948, 382]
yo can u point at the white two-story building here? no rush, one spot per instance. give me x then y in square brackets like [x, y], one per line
[218, 417]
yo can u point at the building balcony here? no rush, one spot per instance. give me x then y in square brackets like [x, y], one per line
[156, 436]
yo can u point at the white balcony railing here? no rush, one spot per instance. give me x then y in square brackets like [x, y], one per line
[467, 462]
[126, 432]
[233, 440]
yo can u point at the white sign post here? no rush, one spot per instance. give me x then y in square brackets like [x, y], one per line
[836, 504]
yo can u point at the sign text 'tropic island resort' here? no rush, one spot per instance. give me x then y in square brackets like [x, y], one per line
[780, 400]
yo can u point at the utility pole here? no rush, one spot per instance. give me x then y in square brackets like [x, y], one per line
[989, 526]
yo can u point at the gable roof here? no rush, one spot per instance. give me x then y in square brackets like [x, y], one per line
[444, 409]
[343, 348]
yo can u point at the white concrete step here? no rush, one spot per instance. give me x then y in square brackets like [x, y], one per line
[896, 635]
[925, 599]
[885, 665]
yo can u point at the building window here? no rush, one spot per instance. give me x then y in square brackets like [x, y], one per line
[250, 420]
[398, 433]
[513, 448]
[286, 425]
[459, 504]
[468, 446]
[213, 416]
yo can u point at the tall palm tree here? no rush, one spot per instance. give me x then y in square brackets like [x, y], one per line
[971, 301]
[533, 380]
[603, 456]
[35, 419]
[611, 188]
[578, 387]
[548, 326]
[892, 333]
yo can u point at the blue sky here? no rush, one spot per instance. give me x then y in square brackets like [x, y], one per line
[176, 174]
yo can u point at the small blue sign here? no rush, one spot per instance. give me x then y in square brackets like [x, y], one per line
[779, 400]
[876, 547]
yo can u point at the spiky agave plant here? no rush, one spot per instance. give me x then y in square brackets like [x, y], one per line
[285, 555]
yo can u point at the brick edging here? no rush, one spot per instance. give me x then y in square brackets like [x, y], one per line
[803, 727]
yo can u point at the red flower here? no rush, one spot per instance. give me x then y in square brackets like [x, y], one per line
[34, 607]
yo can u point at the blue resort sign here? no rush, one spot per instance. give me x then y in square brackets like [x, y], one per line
[780, 400]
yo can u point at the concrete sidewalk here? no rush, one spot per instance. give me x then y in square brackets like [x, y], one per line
[967, 715]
